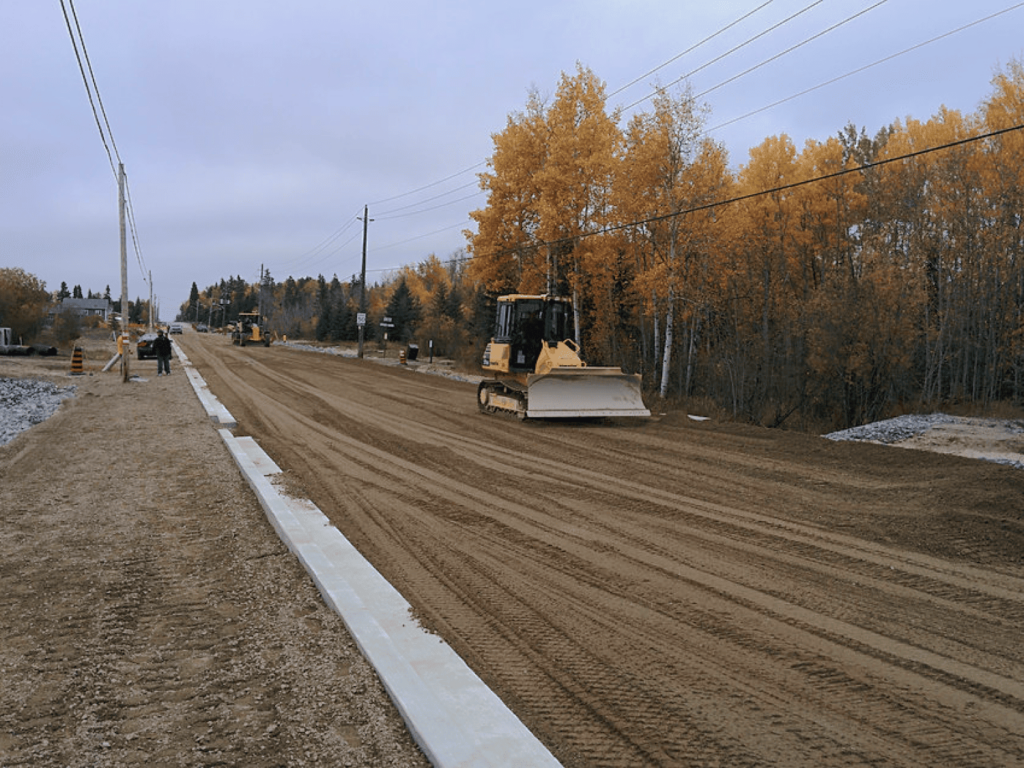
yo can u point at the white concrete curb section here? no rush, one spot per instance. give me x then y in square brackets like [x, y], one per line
[218, 413]
[455, 718]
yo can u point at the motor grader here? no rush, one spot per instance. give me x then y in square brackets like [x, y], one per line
[539, 372]
[248, 330]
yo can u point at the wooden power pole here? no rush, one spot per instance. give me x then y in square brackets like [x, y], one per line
[361, 317]
[126, 355]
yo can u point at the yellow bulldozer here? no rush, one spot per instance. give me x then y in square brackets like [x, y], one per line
[539, 372]
[248, 330]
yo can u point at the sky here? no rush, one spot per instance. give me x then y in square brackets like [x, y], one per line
[253, 133]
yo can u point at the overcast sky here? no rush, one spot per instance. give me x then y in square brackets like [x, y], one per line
[253, 133]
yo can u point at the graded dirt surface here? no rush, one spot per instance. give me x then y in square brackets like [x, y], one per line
[668, 592]
[656, 592]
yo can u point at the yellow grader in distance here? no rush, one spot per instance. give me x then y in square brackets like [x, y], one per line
[539, 373]
[249, 331]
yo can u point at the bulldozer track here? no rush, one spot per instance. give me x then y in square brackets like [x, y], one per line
[667, 593]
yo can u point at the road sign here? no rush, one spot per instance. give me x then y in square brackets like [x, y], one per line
[361, 319]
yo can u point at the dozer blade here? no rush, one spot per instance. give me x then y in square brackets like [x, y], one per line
[584, 392]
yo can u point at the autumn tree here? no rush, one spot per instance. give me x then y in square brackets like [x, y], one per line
[1003, 180]
[23, 302]
[669, 171]
[505, 244]
[575, 189]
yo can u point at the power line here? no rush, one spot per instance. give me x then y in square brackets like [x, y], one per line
[384, 217]
[420, 237]
[320, 247]
[692, 48]
[95, 85]
[430, 199]
[864, 68]
[135, 234]
[75, 43]
[792, 48]
[432, 184]
[731, 51]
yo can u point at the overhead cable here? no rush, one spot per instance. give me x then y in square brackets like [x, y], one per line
[385, 217]
[731, 51]
[792, 48]
[75, 43]
[865, 67]
[692, 48]
[428, 186]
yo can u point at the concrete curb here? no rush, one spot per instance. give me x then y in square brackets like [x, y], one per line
[454, 717]
[218, 413]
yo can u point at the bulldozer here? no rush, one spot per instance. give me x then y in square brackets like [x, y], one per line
[248, 330]
[539, 371]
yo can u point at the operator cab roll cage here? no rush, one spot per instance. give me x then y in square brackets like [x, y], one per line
[526, 323]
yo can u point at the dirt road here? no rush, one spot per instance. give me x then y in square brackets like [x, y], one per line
[669, 592]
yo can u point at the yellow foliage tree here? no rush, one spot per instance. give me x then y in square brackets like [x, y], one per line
[23, 302]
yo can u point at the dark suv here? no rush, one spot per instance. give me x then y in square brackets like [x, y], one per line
[144, 347]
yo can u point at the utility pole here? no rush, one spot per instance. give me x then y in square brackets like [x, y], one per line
[151, 308]
[361, 318]
[125, 356]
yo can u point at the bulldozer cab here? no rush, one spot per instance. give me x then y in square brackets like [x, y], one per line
[246, 320]
[527, 323]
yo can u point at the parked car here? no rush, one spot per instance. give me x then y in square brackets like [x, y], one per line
[202, 328]
[176, 328]
[144, 347]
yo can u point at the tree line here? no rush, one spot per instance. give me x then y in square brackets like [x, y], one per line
[432, 303]
[893, 282]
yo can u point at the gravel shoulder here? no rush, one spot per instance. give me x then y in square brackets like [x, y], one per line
[150, 614]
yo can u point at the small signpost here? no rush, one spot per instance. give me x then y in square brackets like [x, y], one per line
[386, 323]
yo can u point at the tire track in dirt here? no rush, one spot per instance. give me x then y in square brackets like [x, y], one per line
[630, 621]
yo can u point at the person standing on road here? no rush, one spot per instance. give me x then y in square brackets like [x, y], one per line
[162, 347]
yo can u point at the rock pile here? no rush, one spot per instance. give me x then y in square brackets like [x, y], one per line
[27, 402]
[893, 430]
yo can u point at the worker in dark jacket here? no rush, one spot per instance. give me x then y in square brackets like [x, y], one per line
[162, 347]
